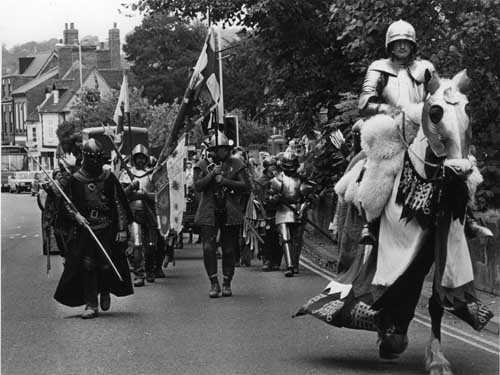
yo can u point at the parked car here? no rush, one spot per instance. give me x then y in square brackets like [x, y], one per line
[21, 181]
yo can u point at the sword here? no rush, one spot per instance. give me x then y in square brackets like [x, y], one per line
[307, 220]
[87, 227]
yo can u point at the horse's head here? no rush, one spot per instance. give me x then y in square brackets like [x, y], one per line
[445, 121]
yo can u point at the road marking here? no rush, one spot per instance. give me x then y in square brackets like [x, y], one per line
[445, 328]
[463, 339]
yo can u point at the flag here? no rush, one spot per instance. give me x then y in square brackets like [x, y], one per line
[176, 178]
[168, 181]
[122, 107]
[203, 86]
[205, 79]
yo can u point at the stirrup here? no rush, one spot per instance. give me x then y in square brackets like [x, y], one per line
[367, 237]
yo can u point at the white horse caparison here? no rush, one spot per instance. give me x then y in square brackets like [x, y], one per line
[445, 129]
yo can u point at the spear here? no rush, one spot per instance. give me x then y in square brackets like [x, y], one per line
[87, 227]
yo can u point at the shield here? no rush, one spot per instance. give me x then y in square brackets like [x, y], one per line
[162, 203]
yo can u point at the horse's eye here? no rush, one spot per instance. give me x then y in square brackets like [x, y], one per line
[436, 113]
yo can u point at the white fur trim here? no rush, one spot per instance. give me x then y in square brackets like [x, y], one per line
[381, 141]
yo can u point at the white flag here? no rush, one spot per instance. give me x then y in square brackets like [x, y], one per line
[123, 98]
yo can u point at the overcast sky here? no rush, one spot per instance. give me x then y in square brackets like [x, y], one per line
[39, 20]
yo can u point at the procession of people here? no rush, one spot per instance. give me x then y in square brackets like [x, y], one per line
[249, 208]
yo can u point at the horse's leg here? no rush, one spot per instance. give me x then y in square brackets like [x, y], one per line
[435, 361]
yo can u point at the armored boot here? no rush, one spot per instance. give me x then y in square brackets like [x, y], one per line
[266, 267]
[139, 281]
[367, 235]
[226, 287]
[215, 288]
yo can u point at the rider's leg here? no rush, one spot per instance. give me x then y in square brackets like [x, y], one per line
[369, 232]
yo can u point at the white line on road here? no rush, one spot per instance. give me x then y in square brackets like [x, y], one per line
[459, 337]
[330, 276]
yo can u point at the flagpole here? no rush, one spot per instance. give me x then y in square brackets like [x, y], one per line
[220, 107]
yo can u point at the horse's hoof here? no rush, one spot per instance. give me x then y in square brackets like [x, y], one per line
[440, 369]
[392, 345]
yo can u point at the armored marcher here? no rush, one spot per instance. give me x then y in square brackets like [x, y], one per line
[221, 185]
[395, 86]
[143, 229]
[272, 252]
[292, 195]
[101, 204]
[243, 254]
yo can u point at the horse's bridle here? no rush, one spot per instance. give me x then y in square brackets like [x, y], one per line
[402, 136]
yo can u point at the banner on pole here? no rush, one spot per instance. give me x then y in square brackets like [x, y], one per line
[175, 168]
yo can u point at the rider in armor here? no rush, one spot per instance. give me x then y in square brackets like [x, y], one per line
[100, 204]
[143, 228]
[292, 195]
[395, 86]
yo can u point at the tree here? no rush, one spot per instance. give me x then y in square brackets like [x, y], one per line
[163, 49]
[315, 50]
[244, 82]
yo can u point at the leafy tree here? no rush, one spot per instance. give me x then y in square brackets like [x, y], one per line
[244, 77]
[163, 49]
[317, 49]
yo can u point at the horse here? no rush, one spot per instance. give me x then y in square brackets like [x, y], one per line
[416, 182]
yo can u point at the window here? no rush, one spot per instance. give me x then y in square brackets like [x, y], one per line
[33, 134]
[3, 89]
[11, 117]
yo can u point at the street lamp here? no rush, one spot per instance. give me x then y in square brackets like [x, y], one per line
[79, 58]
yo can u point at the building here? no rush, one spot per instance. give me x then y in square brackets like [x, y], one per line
[58, 106]
[21, 96]
[18, 99]
[41, 93]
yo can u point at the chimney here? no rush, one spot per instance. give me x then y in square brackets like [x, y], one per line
[71, 34]
[64, 59]
[114, 47]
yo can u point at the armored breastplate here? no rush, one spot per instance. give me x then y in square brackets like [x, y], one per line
[144, 179]
[402, 90]
[290, 190]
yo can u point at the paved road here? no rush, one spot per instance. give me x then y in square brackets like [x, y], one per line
[172, 327]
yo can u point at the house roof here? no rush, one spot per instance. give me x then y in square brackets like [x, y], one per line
[67, 89]
[112, 77]
[39, 62]
[35, 82]
[33, 116]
